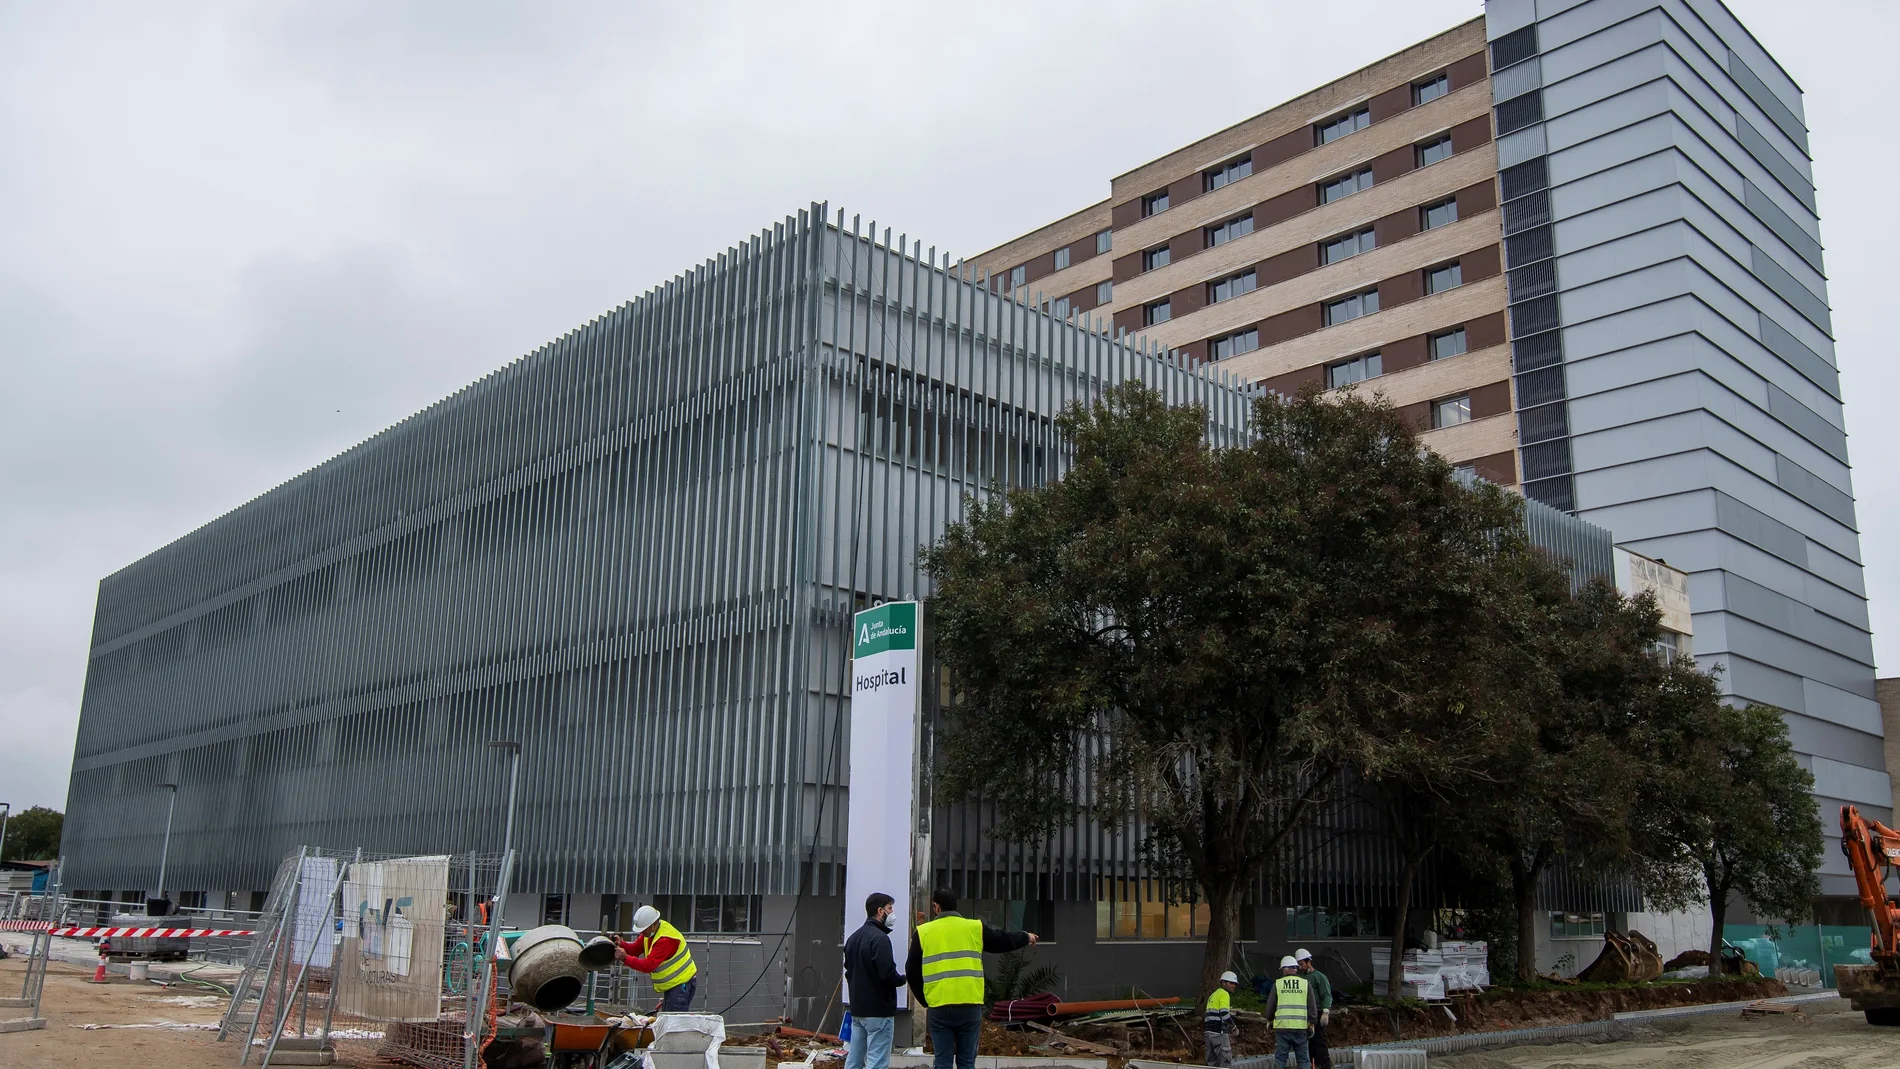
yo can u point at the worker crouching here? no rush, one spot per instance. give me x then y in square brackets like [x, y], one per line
[1294, 1014]
[660, 951]
[1217, 1022]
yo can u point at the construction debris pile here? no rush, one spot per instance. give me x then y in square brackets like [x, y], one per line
[1454, 965]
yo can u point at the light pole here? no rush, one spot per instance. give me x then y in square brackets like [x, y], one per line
[514, 778]
[6, 810]
[164, 853]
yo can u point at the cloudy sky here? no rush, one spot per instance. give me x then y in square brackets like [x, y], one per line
[235, 239]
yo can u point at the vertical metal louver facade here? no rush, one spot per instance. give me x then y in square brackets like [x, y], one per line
[633, 550]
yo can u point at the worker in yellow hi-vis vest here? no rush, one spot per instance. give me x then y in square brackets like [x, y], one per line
[1294, 1014]
[945, 970]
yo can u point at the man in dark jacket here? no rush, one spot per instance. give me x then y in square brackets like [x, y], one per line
[948, 978]
[870, 968]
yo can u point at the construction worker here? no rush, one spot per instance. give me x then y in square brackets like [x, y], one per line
[659, 950]
[1293, 1013]
[945, 970]
[1217, 1022]
[1323, 992]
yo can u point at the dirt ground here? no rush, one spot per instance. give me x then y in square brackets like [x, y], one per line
[116, 1024]
[1824, 1035]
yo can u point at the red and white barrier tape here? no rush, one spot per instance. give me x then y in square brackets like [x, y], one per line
[122, 933]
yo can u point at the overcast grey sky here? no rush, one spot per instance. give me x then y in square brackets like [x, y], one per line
[236, 239]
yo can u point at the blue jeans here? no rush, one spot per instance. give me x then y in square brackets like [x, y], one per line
[953, 1033]
[679, 999]
[870, 1043]
[1291, 1042]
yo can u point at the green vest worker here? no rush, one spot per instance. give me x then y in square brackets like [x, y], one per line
[1217, 1022]
[660, 952]
[1316, 1046]
[945, 967]
[1294, 1014]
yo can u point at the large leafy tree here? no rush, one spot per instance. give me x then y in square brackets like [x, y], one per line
[1746, 818]
[1205, 637]
[33, 835]
[1591, 754]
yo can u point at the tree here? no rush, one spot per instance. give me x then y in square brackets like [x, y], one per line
[1204, 637]
[1591, 754]
[1749, 822]
[33, 835]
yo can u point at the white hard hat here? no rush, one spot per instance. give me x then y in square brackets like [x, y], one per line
[644, 917]
[1303, 954]
[1289, 963]
[1228, 977]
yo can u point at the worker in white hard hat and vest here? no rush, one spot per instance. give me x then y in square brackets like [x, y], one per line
[1217, 1022]
[1294, 1014]
[1323, 994]
[659, 950]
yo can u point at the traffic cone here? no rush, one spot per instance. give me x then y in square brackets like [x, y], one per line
[99, 974]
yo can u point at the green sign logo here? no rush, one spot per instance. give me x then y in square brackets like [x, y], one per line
[887, 627]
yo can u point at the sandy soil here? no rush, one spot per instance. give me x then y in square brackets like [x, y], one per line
[104, 1026]
[1824, 1035]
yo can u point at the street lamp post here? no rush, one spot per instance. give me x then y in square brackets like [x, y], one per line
[6, 811]
[164, 853]
[514, 779]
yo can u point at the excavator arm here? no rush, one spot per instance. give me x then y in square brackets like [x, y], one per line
[1873, 851]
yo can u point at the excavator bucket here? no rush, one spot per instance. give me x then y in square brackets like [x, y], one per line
[1630, 958]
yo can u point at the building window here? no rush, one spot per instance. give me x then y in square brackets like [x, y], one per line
[1154, 203]
[1319, 922]
[1104, 292]
[1103, 241]
[1345, 186]
[1358, 369]
[1440, 279]
[1140, 909]
[1018, 276]
[1158, 312]
[1349, 308]
[1237, 227]
[1465, 473]
[1423, 92]
[1436, 215]
[1334, 129]
[1232, 286]
[703, 914]
[1450, 343]
[1061, 308]
[1062, 257]
[1576, 925]
[553, 909]
[1014, 915]
[1452, 411]
[1154, 258]
[1433, 151]
[1245, 341]
[1338, 249]
[1232, 171]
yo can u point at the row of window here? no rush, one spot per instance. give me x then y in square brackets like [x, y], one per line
[1019, 275]
[1441, 346]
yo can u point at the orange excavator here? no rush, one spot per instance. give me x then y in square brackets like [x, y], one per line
[1872, 850]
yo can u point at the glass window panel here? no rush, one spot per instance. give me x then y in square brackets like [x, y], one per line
[1018, 276]
[1104, 292]
[1450, 343]
[1062, 257]
[1435, 151]
[1062, 308]
[1103, 241]
[1160, 312]
[736, 913]
[1452, 411]
[1104, 923]
[1424, 92]
[1155, 204]
[1440, 279]
[1154, 919]
[1154, 258]
[1445, 211]
[1181, 921]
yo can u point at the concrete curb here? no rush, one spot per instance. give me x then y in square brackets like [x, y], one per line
[1473, 1041]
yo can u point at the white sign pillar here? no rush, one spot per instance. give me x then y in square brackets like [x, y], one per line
[886, 714]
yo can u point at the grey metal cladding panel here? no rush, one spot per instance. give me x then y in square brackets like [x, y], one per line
[1756, 682]
[1782, 224]
[1771, 105]
[1820, 738]
[1812, 365]
[1801, 298]
[1783, 613]
[1771, 159]
[1516, 80]
[1504, 16]
[1757, 528]
[1778, 648]
[1839, 707]
[1810, 488]
[1527, 144]
[1806, 422]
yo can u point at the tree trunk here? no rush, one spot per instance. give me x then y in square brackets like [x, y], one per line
[1718, 912]
[1223, 927]
[1524, 897]
[1395, 972]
